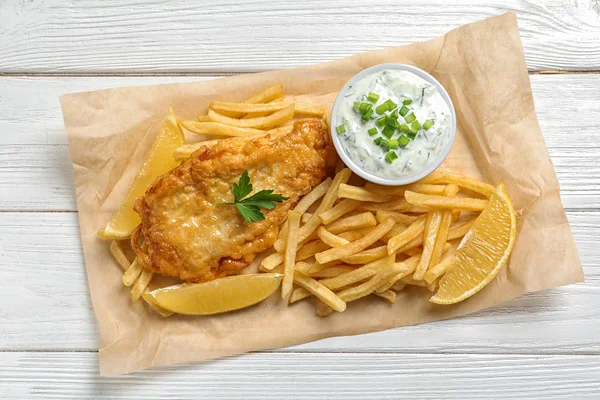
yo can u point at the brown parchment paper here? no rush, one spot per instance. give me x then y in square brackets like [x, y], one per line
[499, 139]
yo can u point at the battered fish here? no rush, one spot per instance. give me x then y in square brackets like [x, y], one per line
[186, 233]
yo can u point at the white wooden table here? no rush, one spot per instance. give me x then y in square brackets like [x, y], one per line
[544, 345]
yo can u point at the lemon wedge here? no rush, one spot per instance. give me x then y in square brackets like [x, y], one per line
[482, 252]
[217, 296]
[158, 162]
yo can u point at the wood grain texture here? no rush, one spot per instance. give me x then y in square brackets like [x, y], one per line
[42, 266]
[234, 36]
[36, 169]
[308, 377]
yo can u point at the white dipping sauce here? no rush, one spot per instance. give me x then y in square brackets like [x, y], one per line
[427, 104]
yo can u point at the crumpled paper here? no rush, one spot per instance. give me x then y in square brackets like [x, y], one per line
[499, 139]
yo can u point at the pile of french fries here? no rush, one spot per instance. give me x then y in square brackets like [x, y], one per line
[373, 239]
[263, 113]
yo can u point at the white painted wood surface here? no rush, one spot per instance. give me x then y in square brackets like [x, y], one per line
[543, 345]
[242, 35]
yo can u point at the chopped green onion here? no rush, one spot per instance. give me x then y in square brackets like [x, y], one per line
[387, 131]
[373, 97]
[364, 107]
[393, 143]
[391, 105]
[391, 156]
[407, 102]
[372, 131]
[384, 144]
[367, 115]
[410, 118]
[428, 124]
[378, 141]
[356, 106]
[404, 128]
[340, 129]
[415, 125]
[404, 110]
[381, 120]
[394, 114]
[403, 140]
[390, 121]
[412, 134]
[381, 108]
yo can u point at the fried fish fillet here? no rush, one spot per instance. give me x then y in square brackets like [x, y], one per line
[186, 233]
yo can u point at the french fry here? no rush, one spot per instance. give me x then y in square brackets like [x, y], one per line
[366, 256]
[203, 118]
[304, 204]
[270, 262]
[132, 273]
[343, 207]
[432, 286]
[409, 267]
[400, 205]
[299, 294]
[331, 272]
[328, 200]
[398, 217]
[269, 94]
[364, 289]
[463, 181]
[221, 106]
[359, 221]
[455, 233]
[396, 230]
[442, 236]
[413, 252]
[438, 270]
[429, 235]
[389, 295]
[329, 238]
[357, 275]
[217, 128]
[361, 194]
[407, 280]
[305, 217]
[398, 286]
[423, 188]
[289, 259]
[320, 291]
[429, 200]
[310, 249]
[266, 95]
[355, 234]
[118, 255]
[140, 284]
[313, 110]
[413, 230]
[302, 267]
[185, 151]
[260, 114]
[316, 267]
[277, 118]
[356, 246]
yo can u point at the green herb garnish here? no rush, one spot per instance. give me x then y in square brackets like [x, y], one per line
[340, 129]
[372, 132]
[403, 140]
[391, 156]
[427, 124]
[373, 97]
[250, 206]
[410, 118]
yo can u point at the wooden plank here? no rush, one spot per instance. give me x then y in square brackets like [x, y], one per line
[90, 36]
[308, 376]
[30, 112]
[44, 301]
[35, 164]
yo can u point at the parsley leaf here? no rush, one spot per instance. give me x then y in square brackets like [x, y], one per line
[250, 207]
[243, 188]
[249, 212]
